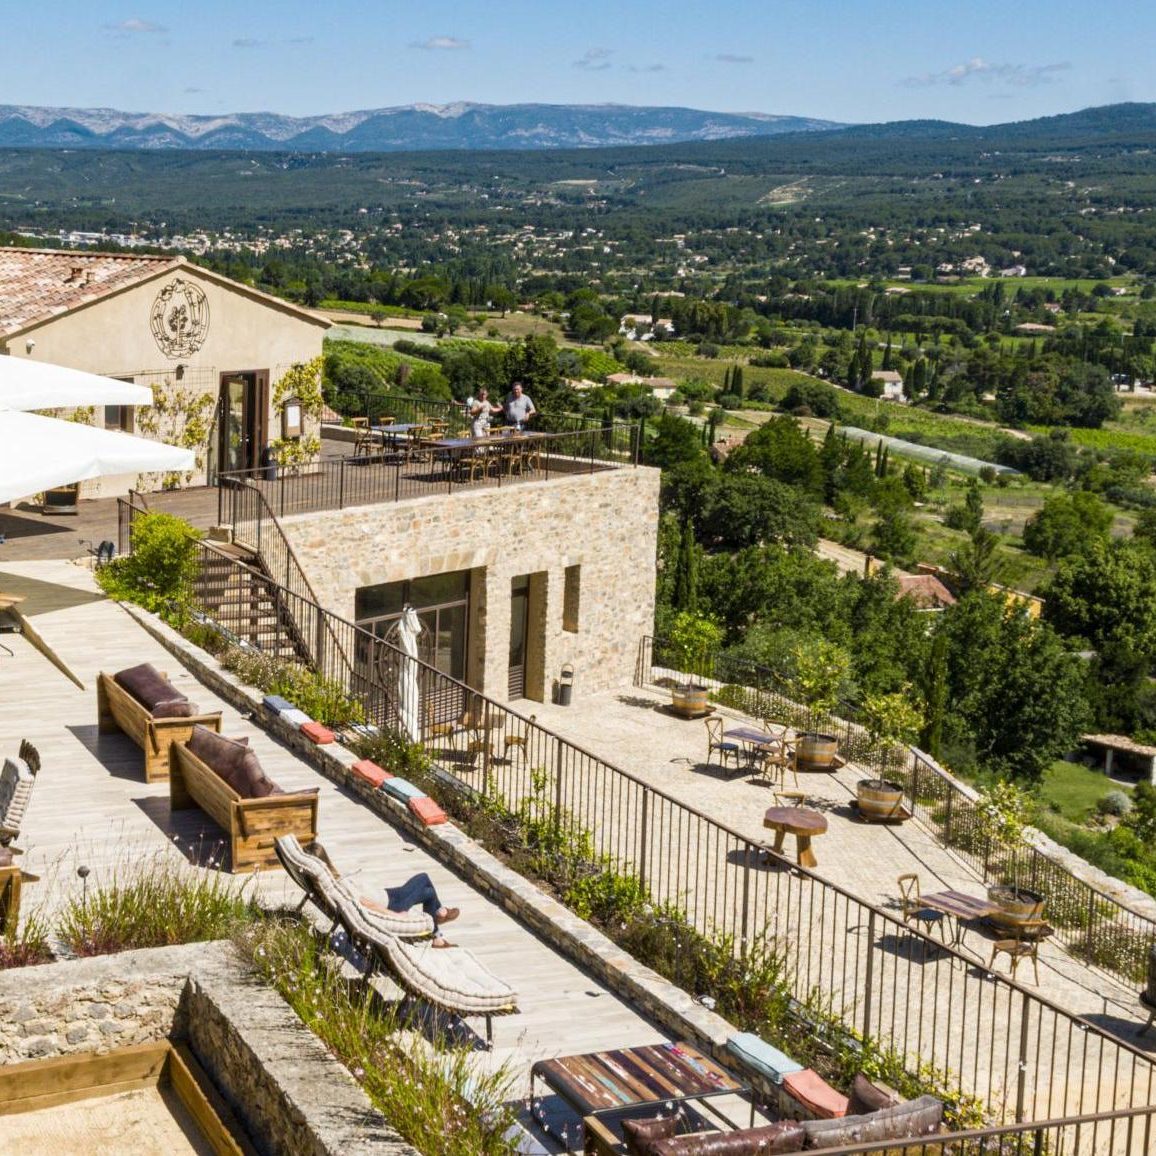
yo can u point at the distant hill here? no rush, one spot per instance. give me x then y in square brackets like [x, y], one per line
[411, 128]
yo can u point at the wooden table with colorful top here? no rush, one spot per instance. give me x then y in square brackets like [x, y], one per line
[665, 1073]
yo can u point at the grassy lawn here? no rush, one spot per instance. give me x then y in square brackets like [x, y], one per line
[1075, 790]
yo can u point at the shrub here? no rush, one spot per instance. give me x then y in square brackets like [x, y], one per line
[159, 572]
[1114, 803]
[443, 1100]
[27, 945]
[153, 902]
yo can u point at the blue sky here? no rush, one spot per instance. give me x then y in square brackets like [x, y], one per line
[979, 62]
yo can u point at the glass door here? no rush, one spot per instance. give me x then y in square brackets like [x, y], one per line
[519, 618]
[239, 445]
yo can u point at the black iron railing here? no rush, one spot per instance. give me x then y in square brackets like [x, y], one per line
[1093, 925]
[417, 470]
[1026, 1057]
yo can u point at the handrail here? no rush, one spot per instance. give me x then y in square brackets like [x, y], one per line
[727, 883]
[1095, 925]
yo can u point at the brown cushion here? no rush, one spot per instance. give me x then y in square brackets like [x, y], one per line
[221, 755]
[912, 1118]
[252, 782]
[147, 685]
[769, 1140]
[639, 1133]
[868, 1097]
[175, 708]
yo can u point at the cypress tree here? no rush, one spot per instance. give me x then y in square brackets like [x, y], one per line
[685, 596]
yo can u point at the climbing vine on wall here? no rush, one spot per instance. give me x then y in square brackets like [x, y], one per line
[180, 416]
[302, 382]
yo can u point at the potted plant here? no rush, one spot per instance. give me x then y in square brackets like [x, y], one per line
[1005, 806]
[819, 670]
[691, 641]
[890, 719]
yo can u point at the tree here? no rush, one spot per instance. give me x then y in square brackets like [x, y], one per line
[676, 440]
[935, 692]
[975, 563]
[685, 595]
[1013, 685]
[748, 510]
[780, 449]
[1067, 524]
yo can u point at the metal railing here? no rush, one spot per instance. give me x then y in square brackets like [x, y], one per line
[418, 471]
[1093, 925]
[1026, 1057]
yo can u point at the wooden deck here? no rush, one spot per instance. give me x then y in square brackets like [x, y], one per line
[92, 807]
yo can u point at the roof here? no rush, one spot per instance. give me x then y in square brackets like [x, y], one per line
[925, 590]
[37, 285]
[1120, 743]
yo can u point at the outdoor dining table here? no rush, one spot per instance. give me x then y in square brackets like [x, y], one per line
[801, 822]
[394, 434]
[961, 907]
[453, 450]
[753, 739]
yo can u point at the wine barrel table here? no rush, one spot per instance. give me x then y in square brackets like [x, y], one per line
[801, 822]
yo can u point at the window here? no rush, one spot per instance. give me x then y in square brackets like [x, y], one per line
[571, 595]
[118, 417]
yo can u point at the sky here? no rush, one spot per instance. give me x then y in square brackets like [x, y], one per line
[851, 61]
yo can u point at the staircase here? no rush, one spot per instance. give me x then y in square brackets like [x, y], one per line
[245, 601]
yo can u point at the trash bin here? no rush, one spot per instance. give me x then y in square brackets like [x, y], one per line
[269, 464]
[566, 685]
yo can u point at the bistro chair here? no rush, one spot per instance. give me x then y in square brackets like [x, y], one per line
[716, 742]
[1025, 944]
[911, 906]
[776, 759]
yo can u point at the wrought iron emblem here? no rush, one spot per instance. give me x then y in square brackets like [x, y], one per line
[180, 318]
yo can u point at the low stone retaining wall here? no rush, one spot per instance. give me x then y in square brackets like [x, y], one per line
[657, 998]
[291, 1095]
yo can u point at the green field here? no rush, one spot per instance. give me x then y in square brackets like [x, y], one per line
[1074, 790]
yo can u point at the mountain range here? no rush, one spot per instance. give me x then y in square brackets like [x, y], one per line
[411, 128]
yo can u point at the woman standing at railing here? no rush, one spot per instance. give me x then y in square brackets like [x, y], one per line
[481, 413]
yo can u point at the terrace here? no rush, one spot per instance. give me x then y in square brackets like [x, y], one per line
[635, 782]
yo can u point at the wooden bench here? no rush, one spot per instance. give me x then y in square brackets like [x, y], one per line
[252, 824]
[117, 710]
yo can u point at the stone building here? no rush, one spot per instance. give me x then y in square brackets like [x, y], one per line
[511, 585]
[212, 349]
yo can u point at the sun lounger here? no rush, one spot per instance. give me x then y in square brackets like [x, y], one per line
[313, 871]
[17, 778]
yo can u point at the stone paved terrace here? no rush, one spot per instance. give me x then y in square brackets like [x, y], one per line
[108, 812]
[91, 806]
[630, 729]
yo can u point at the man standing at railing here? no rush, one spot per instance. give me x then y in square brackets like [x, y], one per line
[518, 406]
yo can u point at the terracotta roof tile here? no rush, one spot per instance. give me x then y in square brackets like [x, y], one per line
[38, 284]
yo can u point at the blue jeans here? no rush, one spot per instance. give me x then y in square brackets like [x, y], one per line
[416, 889]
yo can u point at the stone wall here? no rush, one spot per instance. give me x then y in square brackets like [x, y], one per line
[291, 1095]
[606, 523]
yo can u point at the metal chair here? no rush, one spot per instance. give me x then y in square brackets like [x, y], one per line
[716, 742]
[911, 906]
[1025, 944]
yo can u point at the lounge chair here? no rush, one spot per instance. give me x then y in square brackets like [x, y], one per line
[17, 778]
[453, 979]
[313, 871]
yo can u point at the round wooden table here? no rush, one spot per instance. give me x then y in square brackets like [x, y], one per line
[800, 822]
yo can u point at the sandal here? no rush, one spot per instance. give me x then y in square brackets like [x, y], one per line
[441, 941]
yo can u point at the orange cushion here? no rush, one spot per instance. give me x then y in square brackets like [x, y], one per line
[815, 1094]
[318, 733]
[427, 811]
[370, 773]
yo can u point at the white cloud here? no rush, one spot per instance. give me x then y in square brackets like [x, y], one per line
[595, 60]
[441, 44]
[134, 24]
[978, 69]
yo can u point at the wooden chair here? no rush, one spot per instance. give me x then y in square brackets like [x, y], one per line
[365, 444]
[1025, 944]
[790, 798]
[776, 760]
[518, 741]
[716, 742]
[911, 906]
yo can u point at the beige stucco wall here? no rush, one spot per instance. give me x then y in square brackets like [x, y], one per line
[113, 336]
[606, 523]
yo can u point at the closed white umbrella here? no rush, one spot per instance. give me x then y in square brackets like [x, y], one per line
[27, 384]
[37, 453]
[408, 706]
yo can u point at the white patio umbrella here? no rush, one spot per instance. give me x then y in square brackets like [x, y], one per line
[27, 384]
[408, 706]
[37, 453]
